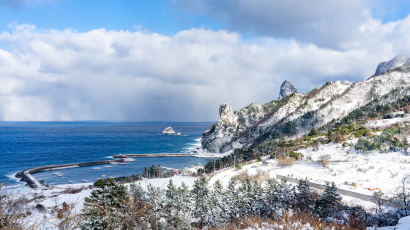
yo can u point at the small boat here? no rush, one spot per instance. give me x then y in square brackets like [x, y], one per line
[84, 180]
[70, 181]
[96, 168]
[57, 173]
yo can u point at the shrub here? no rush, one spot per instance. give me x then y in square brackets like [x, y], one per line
[40, 207]
[238, 165]
[286, 161]
[296, 155]
[258, 177]
[324, 160]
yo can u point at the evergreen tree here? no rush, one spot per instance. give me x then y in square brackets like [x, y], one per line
[105, 207]
[304, 200]
[178, 212]
[137, 208]
[258, 202]
[329, 203]
[245, 198]
[201, 199]
[232, 199]
[218, 215]
[156, 199]
[272, 198]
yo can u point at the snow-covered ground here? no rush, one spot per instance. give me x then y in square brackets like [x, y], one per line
[362, 173]
[404, 224]
[382, 123]
[54, 198]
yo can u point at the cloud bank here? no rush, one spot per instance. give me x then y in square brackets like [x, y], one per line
[144, 76]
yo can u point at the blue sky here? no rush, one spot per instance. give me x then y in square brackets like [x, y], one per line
[178, 60]
[159, 16]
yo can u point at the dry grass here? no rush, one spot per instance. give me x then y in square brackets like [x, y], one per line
[286, 161]
[73, 190]
[288, 222]
[324, 160]
[260, 176]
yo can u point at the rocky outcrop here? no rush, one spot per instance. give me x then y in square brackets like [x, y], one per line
[296, 114]
[286, 89]
[168, 131]
[398, 61]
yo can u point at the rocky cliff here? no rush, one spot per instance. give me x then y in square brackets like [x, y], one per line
[286, 89]
[295, 114]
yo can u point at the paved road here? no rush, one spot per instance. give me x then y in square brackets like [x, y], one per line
[340, 191]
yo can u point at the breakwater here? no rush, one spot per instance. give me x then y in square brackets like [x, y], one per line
[27, 177]
[154, 155]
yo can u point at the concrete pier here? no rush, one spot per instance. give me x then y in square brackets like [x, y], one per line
[154, 155]
[32, 182]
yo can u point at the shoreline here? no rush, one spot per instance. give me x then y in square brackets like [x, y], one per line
[26, 175]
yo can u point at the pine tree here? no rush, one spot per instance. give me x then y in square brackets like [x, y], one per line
[105, 207]
[258, 202]
[201, 199]
[272, 198]
[304, 200]
[218, 215]
[156, 199]
[232, 199]
[329, 203]
[137, 208]
[245, 198]
[178, 214]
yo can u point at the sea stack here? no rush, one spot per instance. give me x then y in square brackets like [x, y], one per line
[169, 131]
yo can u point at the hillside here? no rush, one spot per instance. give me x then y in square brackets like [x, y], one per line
[296, 114]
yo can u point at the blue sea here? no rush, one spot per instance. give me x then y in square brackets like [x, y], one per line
[30, 144]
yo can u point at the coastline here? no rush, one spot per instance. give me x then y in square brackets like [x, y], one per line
[26, 175]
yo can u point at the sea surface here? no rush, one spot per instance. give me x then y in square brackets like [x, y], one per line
[25, 145]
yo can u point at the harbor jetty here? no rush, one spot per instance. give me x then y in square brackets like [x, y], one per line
[154, 155]
[27, 177]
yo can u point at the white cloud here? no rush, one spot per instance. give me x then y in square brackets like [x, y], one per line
[335, 24]
[123, 75]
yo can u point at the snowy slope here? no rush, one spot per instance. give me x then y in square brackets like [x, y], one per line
[297, 114]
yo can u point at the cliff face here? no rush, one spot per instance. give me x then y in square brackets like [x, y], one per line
[296, 114]
[286, 89]
[398, 61]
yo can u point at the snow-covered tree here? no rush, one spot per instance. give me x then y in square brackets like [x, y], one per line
[258, 201]
[218, 214]
[138, 209]
[105, 207]
[329, 203]
[304, 200]
[156, 200]
[202, 204]
[178, 213]
[232, 199]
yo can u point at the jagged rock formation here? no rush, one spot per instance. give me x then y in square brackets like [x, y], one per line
[398, 61]
[168, 131]
[297, 114]
[286, 89]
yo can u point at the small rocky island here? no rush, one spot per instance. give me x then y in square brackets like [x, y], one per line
[170, 131]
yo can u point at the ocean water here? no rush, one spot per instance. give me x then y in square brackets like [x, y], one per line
[30, 144]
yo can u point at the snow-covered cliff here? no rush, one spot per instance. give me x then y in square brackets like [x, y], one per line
[296, 114]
